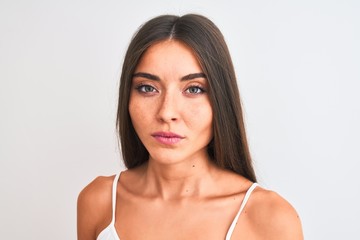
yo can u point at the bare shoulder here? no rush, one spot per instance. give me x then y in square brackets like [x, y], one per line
[272, 217]
[94, 207]
[97, 192]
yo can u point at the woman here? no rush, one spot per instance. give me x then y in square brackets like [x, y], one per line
[183, 141]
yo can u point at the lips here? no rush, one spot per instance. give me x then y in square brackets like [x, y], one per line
[167, 138]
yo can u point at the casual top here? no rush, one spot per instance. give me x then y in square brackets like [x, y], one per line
[109, 233]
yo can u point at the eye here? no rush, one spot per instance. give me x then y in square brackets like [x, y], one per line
[194, 90]
[146, 89]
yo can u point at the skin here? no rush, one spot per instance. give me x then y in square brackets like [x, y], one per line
[179, 193]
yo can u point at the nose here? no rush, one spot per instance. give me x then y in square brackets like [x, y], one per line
[168, 108]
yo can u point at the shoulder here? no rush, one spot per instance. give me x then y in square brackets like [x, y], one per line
[97, 192]
[94, 207]
[270, 216]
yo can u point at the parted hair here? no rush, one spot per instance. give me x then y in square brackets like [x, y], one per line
[229, 147]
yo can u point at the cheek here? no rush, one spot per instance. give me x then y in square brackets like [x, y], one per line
[135, 111]
[140, 113]
[200, 116]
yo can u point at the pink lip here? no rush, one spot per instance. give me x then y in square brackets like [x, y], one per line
[167, 138]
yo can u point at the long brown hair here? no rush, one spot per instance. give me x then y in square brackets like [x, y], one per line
[229, 148]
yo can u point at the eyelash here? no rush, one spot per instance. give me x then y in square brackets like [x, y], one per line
[142, 89]
[202, 90]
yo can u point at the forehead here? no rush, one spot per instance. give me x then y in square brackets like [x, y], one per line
[170, 55]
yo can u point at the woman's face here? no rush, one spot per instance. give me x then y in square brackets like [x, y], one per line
[169, 104]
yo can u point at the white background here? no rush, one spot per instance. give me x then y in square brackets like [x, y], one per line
[297, 64]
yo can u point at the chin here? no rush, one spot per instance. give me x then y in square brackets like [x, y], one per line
[167, 157]
[166, 160]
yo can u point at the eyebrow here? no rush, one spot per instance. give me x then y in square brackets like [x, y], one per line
[146, 75]
[193, 76]
[156, 78]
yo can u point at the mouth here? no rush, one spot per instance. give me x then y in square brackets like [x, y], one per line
[167, 138]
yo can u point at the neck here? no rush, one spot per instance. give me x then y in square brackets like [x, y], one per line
[178, 180]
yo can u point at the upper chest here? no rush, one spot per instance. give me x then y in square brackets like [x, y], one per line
[197, 219]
